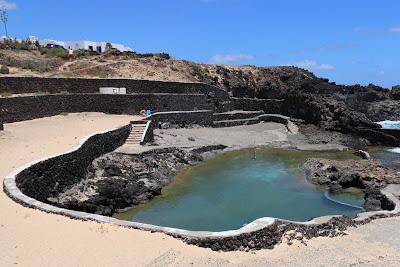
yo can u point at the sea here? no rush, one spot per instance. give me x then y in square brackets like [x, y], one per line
[391, 125]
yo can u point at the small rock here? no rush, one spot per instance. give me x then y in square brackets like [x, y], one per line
[335, 187]
[4, 70]
[165, 125]
[362, 154]
[113, 170]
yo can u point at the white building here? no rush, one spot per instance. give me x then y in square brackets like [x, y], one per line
[99, 47]
[51, 43]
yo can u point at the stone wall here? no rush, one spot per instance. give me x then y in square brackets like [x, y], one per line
[273, 106]
[182, 118]
[50, 177]
[19, 85]
[14, 109]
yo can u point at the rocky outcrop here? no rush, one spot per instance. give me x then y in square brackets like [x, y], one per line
[369, 175]
[350, 173]
[117, 181]
[395, 92]
[382, 110]
[375, 200]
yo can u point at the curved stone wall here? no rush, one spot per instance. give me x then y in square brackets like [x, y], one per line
[50, 177]
[41, 179]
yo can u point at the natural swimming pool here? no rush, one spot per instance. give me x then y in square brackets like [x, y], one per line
[233, 189]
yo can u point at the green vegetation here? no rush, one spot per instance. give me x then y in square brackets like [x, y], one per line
[103, 75]
[54, 53]
[108, 46]
[23, 45]
[26, 64]
[5, 94]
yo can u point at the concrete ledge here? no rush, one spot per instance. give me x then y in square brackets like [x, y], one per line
[11, 189]
[182, 118]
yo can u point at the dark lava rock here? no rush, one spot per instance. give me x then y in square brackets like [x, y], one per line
[272, 235]
[395, 92]
[113, 170]
[362, 174]
[4, 70]
[375, 200]
[335, 187]
[117, 181]
[362, 154]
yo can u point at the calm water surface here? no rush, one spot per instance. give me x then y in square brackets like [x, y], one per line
[233, 189]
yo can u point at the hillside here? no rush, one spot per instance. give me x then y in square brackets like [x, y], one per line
[240, 80]
[313, 99]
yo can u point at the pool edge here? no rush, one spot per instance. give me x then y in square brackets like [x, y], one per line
[11, 189]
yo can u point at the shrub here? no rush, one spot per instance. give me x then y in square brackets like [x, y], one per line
[16, 45]
[5, 94]
[54, 53]
[103, 75]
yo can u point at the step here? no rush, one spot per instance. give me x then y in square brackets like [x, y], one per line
[136, 134]
[231, 123]
[135, 138]
[237, 115]
[226, 106]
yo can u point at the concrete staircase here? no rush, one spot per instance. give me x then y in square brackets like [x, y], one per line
[236, 118]
[136, 135]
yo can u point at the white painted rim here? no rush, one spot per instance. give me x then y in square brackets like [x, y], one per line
[13, 191]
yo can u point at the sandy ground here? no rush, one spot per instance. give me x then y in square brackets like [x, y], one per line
[33, 238]
[269, 134]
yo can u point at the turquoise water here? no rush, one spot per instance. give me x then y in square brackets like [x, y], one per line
[234, 189]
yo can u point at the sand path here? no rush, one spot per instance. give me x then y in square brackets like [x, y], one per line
[33, 238]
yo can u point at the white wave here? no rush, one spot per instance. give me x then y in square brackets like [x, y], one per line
[390, 124]
[395, 150]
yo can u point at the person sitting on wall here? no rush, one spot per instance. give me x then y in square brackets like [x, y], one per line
[148, 111]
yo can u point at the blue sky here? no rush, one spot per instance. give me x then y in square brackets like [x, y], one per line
[347, 41]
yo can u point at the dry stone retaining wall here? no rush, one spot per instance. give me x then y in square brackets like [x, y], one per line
[19, 85]
[14, 109]
[273, 106]
[50, 177]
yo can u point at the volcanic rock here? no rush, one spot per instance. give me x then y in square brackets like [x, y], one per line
[350, 173]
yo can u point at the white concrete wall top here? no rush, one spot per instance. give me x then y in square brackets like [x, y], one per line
[113, 90]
